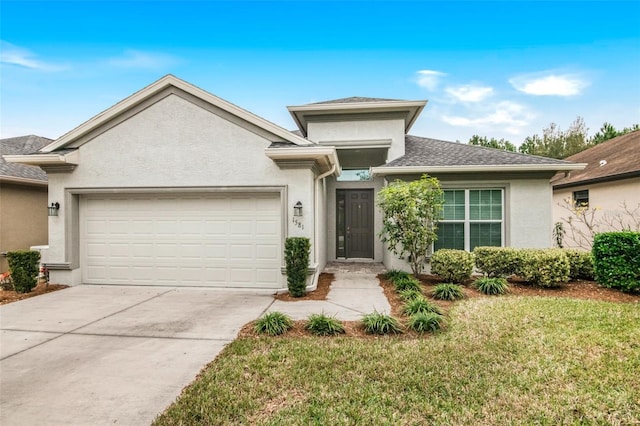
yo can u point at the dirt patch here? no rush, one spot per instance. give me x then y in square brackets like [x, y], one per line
[9, 296]
[320, 293]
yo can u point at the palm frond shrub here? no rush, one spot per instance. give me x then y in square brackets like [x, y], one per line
[420, 305]
[273, 323]
[323, 325]
[379, 323]
[491, 286]
[448, 291]
[424, 322]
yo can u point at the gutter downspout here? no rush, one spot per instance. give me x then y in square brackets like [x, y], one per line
[316, 226]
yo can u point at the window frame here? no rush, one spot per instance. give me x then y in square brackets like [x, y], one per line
[467, 221]
[578, 196]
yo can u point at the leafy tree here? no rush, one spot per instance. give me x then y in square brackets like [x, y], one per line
[492, 143]
[410, 213]
[556, 143]
[607, 131]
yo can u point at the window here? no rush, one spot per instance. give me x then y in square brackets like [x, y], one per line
[581, 198]
[471, 218]
[354, 175]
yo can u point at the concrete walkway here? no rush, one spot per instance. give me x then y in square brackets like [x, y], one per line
[354, 292]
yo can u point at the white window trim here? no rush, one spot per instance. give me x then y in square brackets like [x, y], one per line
[467, 215]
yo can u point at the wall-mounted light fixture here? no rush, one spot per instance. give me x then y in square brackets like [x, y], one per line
[53, 209]
[297, 209]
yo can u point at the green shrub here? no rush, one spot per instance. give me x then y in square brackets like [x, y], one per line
[394, 274]
[24, 267]
[544, 267]
[296, 253]
[420, 305]
[410, 294]
[448, 291]
[379, 323]
[323, 325]
[424, 322]
[455, 266]
[616, 258]
[273, 323]
[497, 261]
[580, 264]
[491, 286]
[410, 283]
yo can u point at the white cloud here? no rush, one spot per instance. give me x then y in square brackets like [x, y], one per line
[145, 60]
[13, 55]
[549, 85]
[470, 93]
[429, 79]
[505, 115]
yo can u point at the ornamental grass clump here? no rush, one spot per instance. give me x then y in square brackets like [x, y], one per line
[409, 294]
[425, 322]
[409, 283]
[491, 286]
[273, 323]
[323, 325]
[395, 274]
[379, 323]
[420, 305]
[448, 291]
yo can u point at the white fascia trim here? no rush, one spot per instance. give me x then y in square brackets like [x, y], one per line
[24, 181]
[358, 144]
[358, 106]
[402, 170]
[311, 153]
[163, 83]
[43, 159]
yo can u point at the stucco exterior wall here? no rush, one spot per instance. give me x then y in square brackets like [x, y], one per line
[23, 218]
[607, 198]
[173, 144]
[527, 210]
[374, 130]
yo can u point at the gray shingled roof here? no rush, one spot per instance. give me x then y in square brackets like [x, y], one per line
[355, 99]
[18, 146]
[432, 152]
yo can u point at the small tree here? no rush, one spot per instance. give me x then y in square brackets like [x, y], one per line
[296, 254]
[411, 211]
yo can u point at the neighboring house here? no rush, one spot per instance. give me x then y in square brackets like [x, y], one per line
[175, 186]
[23, 198]
[610, 181]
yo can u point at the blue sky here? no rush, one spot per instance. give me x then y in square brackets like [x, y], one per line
[501, 69]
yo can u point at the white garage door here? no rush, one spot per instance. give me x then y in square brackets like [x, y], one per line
[217, 240]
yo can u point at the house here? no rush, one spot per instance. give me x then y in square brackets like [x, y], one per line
[609, 182]
[23, 198]
[175, 186]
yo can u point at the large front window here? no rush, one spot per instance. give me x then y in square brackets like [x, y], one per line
[471, 218]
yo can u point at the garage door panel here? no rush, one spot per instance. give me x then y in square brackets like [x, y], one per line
[197, 240]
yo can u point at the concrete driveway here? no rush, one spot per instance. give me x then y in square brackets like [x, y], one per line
[112, 354]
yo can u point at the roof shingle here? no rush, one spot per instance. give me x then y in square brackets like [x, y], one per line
[354, 100]
[421, 151]
[19, 146]
[614, 159]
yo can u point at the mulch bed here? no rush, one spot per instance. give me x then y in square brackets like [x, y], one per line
[8, 296]
[581, 289]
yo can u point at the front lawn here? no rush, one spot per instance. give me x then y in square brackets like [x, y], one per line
[505, 360]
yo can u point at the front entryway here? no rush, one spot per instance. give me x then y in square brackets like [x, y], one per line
[354, 223]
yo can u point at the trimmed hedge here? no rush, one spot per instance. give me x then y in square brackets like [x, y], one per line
[296, 254]
[453, 266]
[616, 258]
[544, 267]
[580, 264]
[23, 265]
[497, 261]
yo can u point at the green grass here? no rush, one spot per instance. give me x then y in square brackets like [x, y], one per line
[501, 361]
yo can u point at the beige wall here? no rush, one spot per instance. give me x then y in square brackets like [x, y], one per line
[172, 144]
[23, 218]
[606, 198]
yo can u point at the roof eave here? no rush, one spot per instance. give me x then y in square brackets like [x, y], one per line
[23, 181]
[326, 157]
[45, 159]
[404, 170]
[602, 179]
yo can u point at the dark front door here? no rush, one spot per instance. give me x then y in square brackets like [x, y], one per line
[354, 223]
